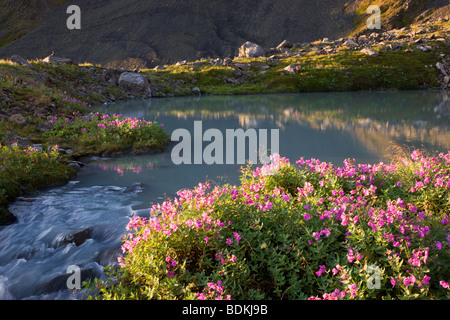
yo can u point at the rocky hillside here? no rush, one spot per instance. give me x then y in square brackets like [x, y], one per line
[148, 33]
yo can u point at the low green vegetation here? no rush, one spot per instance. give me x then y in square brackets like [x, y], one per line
[344, 71]
[97, 133]
[23, 170]
[295, 231]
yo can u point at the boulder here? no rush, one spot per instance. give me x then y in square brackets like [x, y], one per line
[20, 60]
[251, 50]
[78, 237]
[134, 82]
[370, 52]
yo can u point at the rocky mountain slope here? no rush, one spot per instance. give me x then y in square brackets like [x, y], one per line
[148, 33]
[19, 17]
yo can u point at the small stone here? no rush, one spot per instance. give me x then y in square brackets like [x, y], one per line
[18, 118]
[290, 69]
[441, 67]
[424, 48]
[285, 44]
[181, 63]
[370, 52]
[196, 90]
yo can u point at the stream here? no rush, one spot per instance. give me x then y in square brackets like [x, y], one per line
[82, 222]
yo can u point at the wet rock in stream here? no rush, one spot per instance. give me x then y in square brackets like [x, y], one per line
[77, 237]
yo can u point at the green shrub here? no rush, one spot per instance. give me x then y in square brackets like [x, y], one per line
[29, 169]
[101, 133]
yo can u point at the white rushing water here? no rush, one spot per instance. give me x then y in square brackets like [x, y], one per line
[34, 256]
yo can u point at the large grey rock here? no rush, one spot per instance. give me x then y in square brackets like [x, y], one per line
[251, 50]
[134, 81]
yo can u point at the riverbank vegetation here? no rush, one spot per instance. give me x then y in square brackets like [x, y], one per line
[26, 169]
[307, 230]
[346, 71]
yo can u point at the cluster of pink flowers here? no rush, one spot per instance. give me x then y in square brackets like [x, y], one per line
[213, 292]
[224, 259]
[171, 263]
[67, 98]
[103, 120]
[351, 290]
[403, 228]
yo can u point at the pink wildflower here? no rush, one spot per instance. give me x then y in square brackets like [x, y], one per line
[322, 269]
[237, 236]
[393, 282]
[426, 280]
